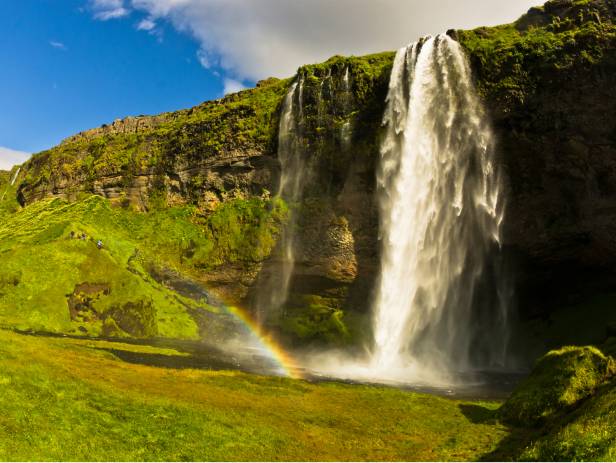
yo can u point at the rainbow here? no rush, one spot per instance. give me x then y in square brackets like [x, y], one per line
[286, 362]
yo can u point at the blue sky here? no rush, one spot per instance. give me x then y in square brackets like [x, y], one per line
[70, 65]
[64, 71]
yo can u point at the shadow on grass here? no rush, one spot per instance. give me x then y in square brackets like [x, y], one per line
[178, 362]
[511, 446]
[202, 359]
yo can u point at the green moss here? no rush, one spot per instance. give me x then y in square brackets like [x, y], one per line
[312, 318]
[239, 230]
[559, 380]
[248, 119]
[46, 268]
[510, 60]
[587, 434]
[44, 264]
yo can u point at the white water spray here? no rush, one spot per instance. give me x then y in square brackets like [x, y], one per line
[440, 299]
[440, 308]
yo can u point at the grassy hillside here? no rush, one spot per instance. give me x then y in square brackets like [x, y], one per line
[53, 280]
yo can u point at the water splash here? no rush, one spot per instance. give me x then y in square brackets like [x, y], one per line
[440, 302]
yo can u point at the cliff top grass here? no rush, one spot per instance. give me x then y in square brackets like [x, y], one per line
[246, 119]
[510, 59]
[241, 124]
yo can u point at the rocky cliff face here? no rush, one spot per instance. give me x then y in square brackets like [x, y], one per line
[550, 83]
[548, 80]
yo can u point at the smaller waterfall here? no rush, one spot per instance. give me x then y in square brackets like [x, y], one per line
[12, 183]
[15, 176]
[345, 131]
[274, 291]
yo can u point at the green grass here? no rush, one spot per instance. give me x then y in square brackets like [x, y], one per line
[44, 268]
[66, 399]
[512, 59]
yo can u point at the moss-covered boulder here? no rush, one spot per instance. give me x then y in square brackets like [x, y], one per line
[560, 379]
[587, 434]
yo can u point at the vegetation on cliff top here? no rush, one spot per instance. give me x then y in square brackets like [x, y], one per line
[243, 124]
[510, 59]
[242, 121]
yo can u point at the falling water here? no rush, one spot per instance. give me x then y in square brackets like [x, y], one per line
[10, 184]
[345, 131]
[275, 290]
[15, 176]
[440, 301]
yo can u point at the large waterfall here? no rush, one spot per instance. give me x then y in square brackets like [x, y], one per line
[441, 301]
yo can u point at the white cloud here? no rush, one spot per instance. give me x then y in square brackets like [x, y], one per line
[10, 158]
[232, 86]
[253, 39]
[146, 24]
[108, 9]
[204, 59]
[57, 45]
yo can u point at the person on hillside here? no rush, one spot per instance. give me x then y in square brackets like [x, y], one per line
[99, 244]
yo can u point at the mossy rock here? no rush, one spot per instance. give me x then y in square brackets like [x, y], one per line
[111, 329]
[560, 379]
[587, 434]
[314, 319]
[137, 318]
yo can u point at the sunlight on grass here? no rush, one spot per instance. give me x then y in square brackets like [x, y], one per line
[64, 399]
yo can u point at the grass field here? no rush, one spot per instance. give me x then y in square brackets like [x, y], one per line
[68, 399]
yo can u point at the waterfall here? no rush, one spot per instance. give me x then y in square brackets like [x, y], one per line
[440, 301]
[274, 291]
[345, 131]
[15, 176]
[12, 183]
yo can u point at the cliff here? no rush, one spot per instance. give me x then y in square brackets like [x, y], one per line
[548, 81]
